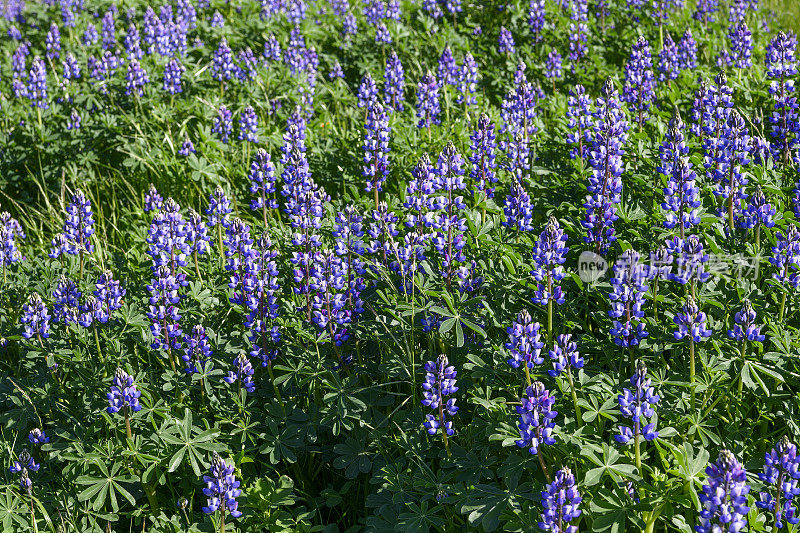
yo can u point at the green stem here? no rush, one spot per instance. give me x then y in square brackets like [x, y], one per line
[578, 415]
[692, 371]
[544, 466]
[739, 387]
[275, 387]
[783, 306]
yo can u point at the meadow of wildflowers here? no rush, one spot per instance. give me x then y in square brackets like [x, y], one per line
[396, 265]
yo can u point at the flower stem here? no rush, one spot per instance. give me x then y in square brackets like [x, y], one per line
[739, 387]
[578, 415]
[275, 387]
[544, 466]
[692, 371]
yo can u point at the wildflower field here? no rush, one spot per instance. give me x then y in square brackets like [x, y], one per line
[395, 265]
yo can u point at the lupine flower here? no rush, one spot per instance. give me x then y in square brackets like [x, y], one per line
[163, 311]
[724, 496]
[382, 231]
[382, 34]
[447, 71]
[536, 18]
[549, 254]
[123, 393]
[248, 125]
[223, 124]
[328, 277]
[394, 83]
[272, 49]
[108, 30]
[136, 78]
[222, 66]
[483, 156]
[222, 489]
[741, 46]
[428, 101]
[627, 296]
[524, 342]
[506, 42]
[608, 137]
[52, 42]
[691, 323]
[467, 81]
[132, 43]
[9, 232]
[440, 382]
[637, 404]
[109, 295]
[71, 68]
[58, 245]
[552, 67]
[247, 65]
[262, 304]
[197, 233]
[187, 147]
[781, 68]
[243, 372]
[449, 225]
[681, 195]
[74, 121]
[23, 465]
[561, 503]
[687, 51]
[786, 256]
[517, 207]
[78, 226]
[758, 212]
[37, 436]
[668, 60]
[197, 350]
[640, 83]
[565, 356]
[433, 8]
[712, 109]
[167, 238]
[734, 153]
[66, 297]
[690, 260]
[153, 201]
[219, 209]
[578, 30]
[336, 71]
[376, 148]
[705, 11]
[37, 84]
[580, 120]
[262, 183]
[35, 318]
[239, 254]
[367, 91]
[90, 35]
[173, 77]
[780, 475]
[745, 328]
[537, 418]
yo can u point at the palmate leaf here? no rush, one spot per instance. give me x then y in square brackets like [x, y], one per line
[485, 504]
[419, 518]
[281, 443]
[193, 443]
[104, 490]
[13, 511]
[353, 457]
[607, 464]
[614, 510]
